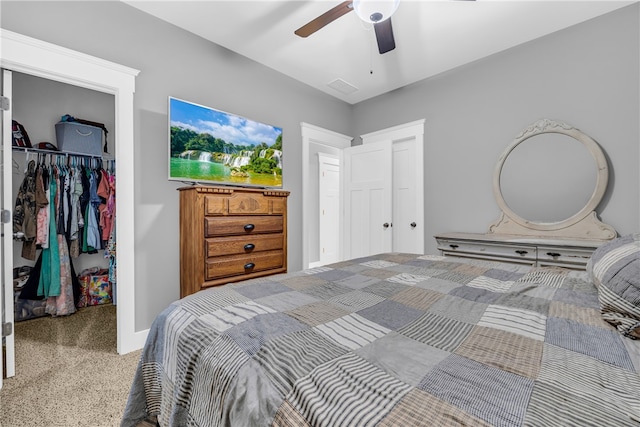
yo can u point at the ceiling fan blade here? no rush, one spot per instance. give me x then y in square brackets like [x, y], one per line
[324, 19]
[384, 36]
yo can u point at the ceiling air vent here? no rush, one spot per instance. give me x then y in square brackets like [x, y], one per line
[342, 86]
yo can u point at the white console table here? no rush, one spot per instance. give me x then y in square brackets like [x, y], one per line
[567, 253]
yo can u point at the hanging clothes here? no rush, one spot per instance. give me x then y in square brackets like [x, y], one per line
[42, 207]
[77, 219]
[104, 192]
[64, 303]
[113, 272]
[49, 284]
[56, 280]
[92, 231]
[24, 216]
[68, 207]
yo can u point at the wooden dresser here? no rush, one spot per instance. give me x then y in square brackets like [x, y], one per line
[228, 234]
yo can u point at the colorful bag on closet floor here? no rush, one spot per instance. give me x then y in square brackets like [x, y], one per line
[95, 287]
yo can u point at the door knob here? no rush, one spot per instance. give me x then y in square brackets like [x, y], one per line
[413, 225]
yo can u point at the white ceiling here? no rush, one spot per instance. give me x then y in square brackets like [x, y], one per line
[431, 36]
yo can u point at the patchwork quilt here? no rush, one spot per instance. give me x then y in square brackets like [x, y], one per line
[390, 340]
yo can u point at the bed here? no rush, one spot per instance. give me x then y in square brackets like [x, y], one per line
[400, 340]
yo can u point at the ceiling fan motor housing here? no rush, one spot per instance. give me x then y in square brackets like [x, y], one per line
[373, 11]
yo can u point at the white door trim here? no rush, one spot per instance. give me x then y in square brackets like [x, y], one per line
[317, 135]
[42, 59]
[394, 133]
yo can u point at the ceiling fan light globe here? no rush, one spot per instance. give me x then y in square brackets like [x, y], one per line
[373, 11]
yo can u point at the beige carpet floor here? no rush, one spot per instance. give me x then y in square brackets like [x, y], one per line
[68, 372]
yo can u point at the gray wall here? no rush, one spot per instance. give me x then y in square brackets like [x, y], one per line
[173, 62]
[587, 75]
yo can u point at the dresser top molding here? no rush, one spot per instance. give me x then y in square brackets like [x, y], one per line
[231, 190]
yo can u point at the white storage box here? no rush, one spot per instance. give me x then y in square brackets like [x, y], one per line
[79, 138]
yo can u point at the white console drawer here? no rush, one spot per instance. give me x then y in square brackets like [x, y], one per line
[521, 252]
[548, 255]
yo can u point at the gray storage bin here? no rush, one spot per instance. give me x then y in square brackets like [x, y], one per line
[79, 138]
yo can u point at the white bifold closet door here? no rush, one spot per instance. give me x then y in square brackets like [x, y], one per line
[384, 192]
[368, 207]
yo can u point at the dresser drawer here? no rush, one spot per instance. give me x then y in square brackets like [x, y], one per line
[235, 265]
[220, 246]
[236, 204]
[242, 225]
[452, 247]
[562, 256]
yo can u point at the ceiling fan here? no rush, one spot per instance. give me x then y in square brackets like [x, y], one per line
[376, 12]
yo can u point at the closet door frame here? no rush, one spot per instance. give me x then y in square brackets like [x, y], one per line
[325, 141]
[6, 248]
[42, 59]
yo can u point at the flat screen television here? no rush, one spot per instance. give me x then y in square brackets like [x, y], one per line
[210, 146]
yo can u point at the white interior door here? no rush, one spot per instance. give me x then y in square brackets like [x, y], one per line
[407, 164]
[368, 202]
[408, 230]
[6, 248]
[329, 182]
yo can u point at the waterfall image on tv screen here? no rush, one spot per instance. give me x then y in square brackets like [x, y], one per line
[210, 146]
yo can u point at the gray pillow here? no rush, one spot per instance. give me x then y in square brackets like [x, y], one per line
[614, 267]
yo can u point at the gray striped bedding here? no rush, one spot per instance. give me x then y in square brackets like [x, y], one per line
[615, 270]
[390, 340]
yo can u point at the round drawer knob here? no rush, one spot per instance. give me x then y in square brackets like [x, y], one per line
[249, 247]
[249, 227]
[249, 266]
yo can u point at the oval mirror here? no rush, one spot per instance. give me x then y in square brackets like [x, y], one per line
[548, 178]
[551, 177]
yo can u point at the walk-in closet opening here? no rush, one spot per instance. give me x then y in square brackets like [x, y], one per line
[64, 195]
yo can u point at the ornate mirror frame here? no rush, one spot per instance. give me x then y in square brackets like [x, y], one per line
[582, 225]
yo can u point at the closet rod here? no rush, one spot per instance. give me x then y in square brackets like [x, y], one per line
[58, 153]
